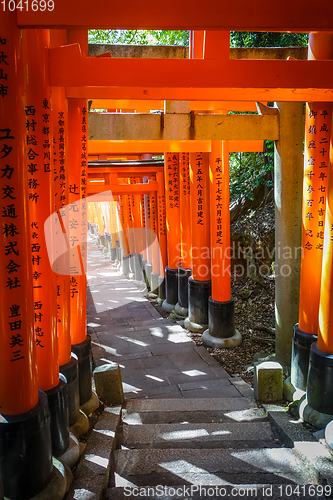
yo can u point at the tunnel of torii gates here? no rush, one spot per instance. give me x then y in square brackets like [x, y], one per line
[171, 218]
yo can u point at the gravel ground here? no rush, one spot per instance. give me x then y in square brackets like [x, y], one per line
[254, 302]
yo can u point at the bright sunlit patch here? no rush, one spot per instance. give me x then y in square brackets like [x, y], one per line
[244, 415]
[186, 434]
[114, 301]
[126, 288]
[108, 349]
[177, 338]
[220, 433]
[185, 470]
[194, 373]
[105, 432]
[156, 332]
[134, 341]
[109, 362]
[83, 493]
[93, 325]
[103, 462]
[155, 378]
[130, 388]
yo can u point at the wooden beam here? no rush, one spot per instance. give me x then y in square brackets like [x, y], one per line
[142, 106]
[68, 68]
[110, 147]
[178, 127]
[117, 189]
[241, 15]
[199, 94]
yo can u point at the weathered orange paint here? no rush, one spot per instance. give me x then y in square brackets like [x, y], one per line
[220, 221]
[200, 219]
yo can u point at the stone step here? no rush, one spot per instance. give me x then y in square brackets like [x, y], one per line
[163, 411]
[199, 435]
[209, 467]
[198, 492]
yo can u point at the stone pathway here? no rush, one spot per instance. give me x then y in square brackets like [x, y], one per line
[186, 421]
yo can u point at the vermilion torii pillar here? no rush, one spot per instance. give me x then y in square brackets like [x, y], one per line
[123, 211]
[185, 269]
[171, 173]
[221, 330]
[22, 406]
[39, 161]
[162, 238]
[315, 181]
[319, 387]
[199, 284]
[60, 178]
[68, 363]
[77, 161]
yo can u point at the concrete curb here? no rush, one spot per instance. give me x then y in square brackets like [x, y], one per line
[293, 434]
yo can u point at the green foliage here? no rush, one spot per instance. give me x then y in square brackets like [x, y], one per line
[267, 39]
[139, 37]
[249, 170]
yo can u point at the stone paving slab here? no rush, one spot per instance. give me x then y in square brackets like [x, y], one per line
[198, 435]
[157, 357]
[210, 466]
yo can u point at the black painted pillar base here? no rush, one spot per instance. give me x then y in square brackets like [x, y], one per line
[71, 372]
[26, 451]
[161, 289]
[149, 270]
[171, 289]
[59, 419]
[198, 295]
[221, 330]
[83, 352]
[126, 265]
[144, 275]
[181, 307]
[136, 267]
[319, 389]
[113, 254]
[154, 283]
[300, 357]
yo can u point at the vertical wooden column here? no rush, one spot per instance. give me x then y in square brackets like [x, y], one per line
[318, 119]
[123, 216]
[153, 268]
[162, 236]
[185, 269]
[221, 330]
[199, 285]
[319, 388]
[113, 230]
[18, 381]
[60, 178]
[22, 406]
[41, 203]
[171, 174]
[77, 160]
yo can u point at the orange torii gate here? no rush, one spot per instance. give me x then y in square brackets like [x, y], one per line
[82, 78]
